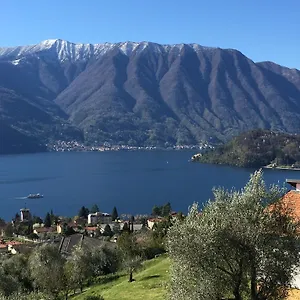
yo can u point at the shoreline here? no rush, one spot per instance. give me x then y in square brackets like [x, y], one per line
[282, 168]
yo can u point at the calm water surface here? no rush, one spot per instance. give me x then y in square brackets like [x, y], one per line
[131, 181]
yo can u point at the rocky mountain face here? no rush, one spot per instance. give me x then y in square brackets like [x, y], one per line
[142, 93]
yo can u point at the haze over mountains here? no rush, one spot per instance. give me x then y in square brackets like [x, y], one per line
[139, 94]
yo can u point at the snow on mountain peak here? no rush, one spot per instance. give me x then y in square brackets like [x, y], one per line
[67, 51]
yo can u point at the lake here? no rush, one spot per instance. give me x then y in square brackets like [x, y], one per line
[132, 181]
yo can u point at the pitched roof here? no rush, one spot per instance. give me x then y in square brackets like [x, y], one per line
[291, 202]
[68, 243]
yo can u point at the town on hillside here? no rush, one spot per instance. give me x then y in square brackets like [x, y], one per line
[96, 227]
[90, 226]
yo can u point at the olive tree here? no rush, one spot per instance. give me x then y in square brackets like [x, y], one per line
[80, 267]
[46, 267]
[130, 253]
[26, 296]
[244, 244]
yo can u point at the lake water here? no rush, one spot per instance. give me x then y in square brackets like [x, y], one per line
[131, 181]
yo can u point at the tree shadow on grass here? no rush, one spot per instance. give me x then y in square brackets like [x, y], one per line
[149, 277]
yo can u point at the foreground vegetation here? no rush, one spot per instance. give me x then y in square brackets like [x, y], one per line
[257, 148]
[150, 283]
[243, 245]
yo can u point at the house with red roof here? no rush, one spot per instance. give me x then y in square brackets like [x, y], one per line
[291, 200]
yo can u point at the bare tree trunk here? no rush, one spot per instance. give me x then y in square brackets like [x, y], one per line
[236, 293]
[238, 280]
[130, 277]
[253, 282]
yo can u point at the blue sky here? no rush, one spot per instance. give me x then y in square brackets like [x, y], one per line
[261, 29]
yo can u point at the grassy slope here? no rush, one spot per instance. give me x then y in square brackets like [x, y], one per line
[151, 283]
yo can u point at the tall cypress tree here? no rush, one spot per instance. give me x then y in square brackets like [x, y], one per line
[47, 221]
[114, 214]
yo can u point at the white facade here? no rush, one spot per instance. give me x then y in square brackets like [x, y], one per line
[98, 217]
[25, 214]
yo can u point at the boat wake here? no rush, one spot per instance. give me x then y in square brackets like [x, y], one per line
[20, 198]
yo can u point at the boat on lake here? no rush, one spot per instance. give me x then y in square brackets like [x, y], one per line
[35, 196]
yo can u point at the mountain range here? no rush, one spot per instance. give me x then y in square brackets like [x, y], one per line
[139, 94]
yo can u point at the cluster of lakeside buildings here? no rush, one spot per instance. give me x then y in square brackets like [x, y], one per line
[67, 146]
[96, 229]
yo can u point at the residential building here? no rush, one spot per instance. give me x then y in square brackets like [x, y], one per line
[151, 222]
[69, 243]
[25, 214]
[99, 217]
[43, 230]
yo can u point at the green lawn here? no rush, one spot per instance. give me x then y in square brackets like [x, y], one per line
[150, 283]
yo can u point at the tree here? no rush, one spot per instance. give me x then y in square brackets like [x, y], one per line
[46, 266]
[126, 227]
[107, 231]
[2, 222]
[129, 253]
[94, 209]
[47, 221]
[156, 210]
[131, 223]
[8, 283]
[238, 246]
[166, 209]
[80, 265]
[54, 218]
[17, 218]
[160, 229]
[26, 296]
[162, 211]
[17, 267]
[83, 212]
[67, 230]
[36, 219]
[114, 214]
[9, 230]
[104, 261]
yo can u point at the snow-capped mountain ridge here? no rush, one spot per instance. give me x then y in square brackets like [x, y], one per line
[66, 50]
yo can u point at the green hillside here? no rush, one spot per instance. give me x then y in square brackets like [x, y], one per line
[256, 148]
[150, 283]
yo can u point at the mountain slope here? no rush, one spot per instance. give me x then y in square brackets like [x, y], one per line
[13, 142]
[146, 93]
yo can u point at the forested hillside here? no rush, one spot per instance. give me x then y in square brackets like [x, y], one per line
[257, 148]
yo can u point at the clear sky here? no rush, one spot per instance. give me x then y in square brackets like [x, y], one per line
[261, 29]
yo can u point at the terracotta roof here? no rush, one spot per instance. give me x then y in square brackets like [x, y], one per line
[91, 228]
[291, 202]
[12, 243]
